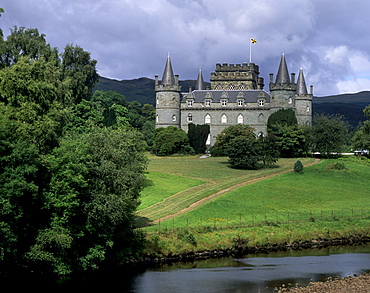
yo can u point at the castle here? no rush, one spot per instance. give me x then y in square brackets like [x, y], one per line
[236, 95]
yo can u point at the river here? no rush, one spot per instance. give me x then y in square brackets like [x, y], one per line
[252, 273]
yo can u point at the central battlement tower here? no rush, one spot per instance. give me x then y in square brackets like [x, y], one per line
[236, 77]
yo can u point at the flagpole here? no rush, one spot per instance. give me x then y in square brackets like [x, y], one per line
[250, 51]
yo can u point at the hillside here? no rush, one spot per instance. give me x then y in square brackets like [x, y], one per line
[141, 90]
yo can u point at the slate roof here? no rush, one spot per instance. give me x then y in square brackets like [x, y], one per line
[249, 96]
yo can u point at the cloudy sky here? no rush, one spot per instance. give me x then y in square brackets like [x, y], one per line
[329, 39]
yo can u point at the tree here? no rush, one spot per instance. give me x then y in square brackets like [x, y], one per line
[171, 140]
[269, 149]
[198, 135]
[228, 134]
[298, 166]
[244, 153]
[25, 42]
[80, 70]
[328, 134]
[283, 117]
[361, 138]
[95, 180]
[67, 194]
[290, 139]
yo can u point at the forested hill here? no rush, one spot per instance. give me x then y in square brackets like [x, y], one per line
[142, 91]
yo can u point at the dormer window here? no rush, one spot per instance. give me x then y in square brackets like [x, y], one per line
[223, 103]
[207, 103]
[240, 103]
[190, 103]
[261, 102]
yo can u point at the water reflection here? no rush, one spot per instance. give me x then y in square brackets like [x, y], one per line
[253, 273]
[256, 273]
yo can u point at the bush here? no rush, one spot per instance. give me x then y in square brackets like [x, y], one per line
[298, 166]
[188, 237]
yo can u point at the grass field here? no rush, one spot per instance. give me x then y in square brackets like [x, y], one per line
[320, 203]
[199, 178]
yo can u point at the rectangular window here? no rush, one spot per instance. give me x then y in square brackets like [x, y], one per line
[240, 103]
[261, 102]
[223, 103]
[208, 103]
[190, 103]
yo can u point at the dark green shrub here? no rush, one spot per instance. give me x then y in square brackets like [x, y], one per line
[298, 166]
[186, 236]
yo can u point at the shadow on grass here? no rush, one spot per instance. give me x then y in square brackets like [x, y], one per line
[143, 222]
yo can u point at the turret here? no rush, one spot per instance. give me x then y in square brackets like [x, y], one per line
[200, 82]
[167, 98]
[283, 90]
[303, 101]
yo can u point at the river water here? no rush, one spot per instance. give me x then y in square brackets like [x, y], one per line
[252, 273]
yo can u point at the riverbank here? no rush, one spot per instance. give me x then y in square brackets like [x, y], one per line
[239, 250]
[351, 284]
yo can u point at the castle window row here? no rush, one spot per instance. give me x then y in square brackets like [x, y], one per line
[224, 103]
[224, 118]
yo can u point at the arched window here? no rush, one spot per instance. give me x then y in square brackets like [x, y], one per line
[157, 118]
[290, 101]
[224, 118]
[261, 118]
[173, 118]
[190, 118]
[207, 119]
[308, 109]
[260, 134]
[240, 119]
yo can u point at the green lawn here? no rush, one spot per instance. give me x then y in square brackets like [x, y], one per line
[159, 186]
[177, 182]
[317, 193]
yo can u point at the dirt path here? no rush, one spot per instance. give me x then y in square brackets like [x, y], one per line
[205, 199]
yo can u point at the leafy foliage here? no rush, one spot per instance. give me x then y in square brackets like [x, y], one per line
[198, 135]
[244, 153]
[361, 138]
[224, 139]
[328, 134]
[290, 139]
[69, 185]
[298, 166]
[283, 117]
[171, 140]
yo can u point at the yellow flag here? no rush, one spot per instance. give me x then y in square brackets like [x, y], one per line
[253, 41]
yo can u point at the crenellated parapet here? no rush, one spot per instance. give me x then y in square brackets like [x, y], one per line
[236, 77]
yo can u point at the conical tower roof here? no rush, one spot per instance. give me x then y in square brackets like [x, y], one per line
[168, 77]
[200, 82]
[301, 84]
[283, 74]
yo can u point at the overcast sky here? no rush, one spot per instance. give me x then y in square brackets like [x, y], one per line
[329, 39]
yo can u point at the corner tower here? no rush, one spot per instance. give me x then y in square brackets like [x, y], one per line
[303, 101]
[167, 94]
[283, 90]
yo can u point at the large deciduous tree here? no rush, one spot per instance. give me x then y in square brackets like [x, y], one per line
[328, 134]
[67, 194]
[290, 138]
[228, 134]
[171, 140]
[361, 138]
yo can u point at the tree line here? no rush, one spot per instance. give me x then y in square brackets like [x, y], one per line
[72, 161]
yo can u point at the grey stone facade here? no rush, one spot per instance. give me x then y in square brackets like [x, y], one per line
[236, 96]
